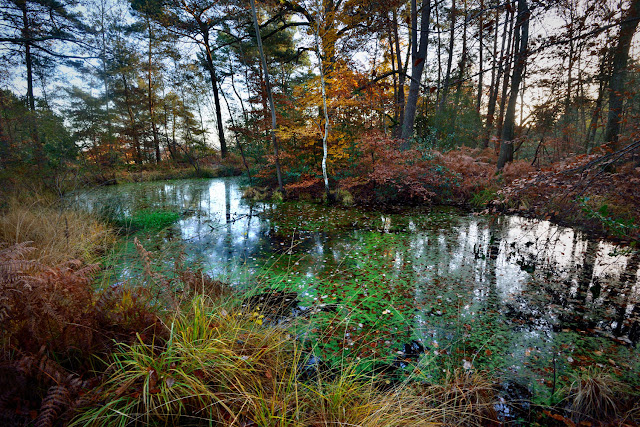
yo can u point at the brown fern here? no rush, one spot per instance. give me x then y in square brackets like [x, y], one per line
[198, 282]
[41, 305]
[122, 312]
[164, 292]
[65, 391]
[53, 405]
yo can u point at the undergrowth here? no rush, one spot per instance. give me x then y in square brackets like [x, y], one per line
[597, 192]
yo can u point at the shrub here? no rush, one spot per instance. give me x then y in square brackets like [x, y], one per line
[277, 197]
[386, 175]
[474, 176]
[256, 194]
[344, 197]
[518, 169]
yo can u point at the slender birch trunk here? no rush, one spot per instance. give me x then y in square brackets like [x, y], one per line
[325, 134]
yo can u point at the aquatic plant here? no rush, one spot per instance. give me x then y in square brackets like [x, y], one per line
[148, 219]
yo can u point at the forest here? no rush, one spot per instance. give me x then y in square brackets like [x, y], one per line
[319, 212]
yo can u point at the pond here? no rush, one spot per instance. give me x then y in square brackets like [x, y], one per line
[421, 291]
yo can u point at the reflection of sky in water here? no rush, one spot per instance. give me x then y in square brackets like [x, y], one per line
[520, 267]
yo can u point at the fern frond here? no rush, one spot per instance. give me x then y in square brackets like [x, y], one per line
[54, 403]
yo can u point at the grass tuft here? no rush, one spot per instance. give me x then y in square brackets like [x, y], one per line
[592, 397]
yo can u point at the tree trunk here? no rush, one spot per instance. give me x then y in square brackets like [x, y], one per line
[132, 121]
[496, 75]
[461, 68]
[480, 58]
[152, 117]
[274, 139]
[522, 38]
[418, 56]
[595, 118]
[105, 78]
[244, 160]
[439, 57]
[28, 59]
[511, 47]
[616, 84]
[26, 34]
[216, 95]
[447, 78]
[325, 134]
[401, 77]
[397, 124]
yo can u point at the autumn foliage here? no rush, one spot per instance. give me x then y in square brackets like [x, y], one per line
[384, 174]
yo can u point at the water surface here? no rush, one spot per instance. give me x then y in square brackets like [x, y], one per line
[530, 302]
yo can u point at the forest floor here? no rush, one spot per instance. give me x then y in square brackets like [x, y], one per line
[597, 194]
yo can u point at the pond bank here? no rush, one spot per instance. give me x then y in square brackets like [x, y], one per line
[593, 193]
[125, 176]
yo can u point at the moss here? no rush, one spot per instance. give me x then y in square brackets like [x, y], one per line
[277, 197]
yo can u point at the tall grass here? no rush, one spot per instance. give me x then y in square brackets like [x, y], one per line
[594, 396]
[215, 367]
[222, 366]
[57, 233]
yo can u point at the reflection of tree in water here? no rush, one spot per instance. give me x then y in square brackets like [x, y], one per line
[586, 281]
[228, 237]
[564, 289]
[626, 319]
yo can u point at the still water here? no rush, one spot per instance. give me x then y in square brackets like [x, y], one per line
[424, 290]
